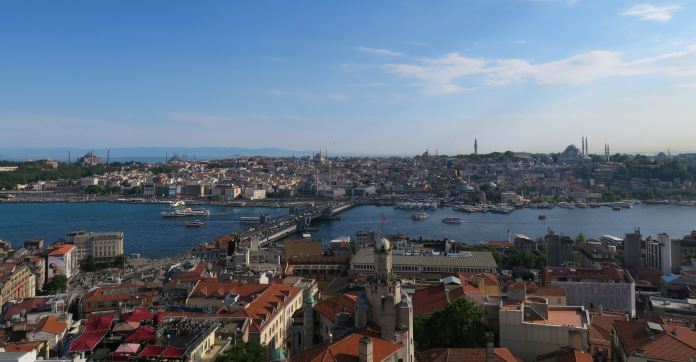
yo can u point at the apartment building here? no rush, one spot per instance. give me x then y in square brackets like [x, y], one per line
[107, 245]
[16, 282]
[62, 260]
[610, 287]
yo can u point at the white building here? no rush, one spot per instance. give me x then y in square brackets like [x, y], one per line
[531, 327]
[658, 253]
[107, 245]
[226, 190]
[63, 261]
[254, 194]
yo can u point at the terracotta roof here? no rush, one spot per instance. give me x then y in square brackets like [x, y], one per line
[601, 325]
[672, 344]
[267, 304]
[173, 352]
[348, 348]
[574, 356]
[216, 289]
[51, 324]
[62, 250]
[142, 334]
[138, 315]
[27, 305]
[116, 293]
[464, 355]
[429, 300]
[193, 275]
[21, 346]
[343, 303]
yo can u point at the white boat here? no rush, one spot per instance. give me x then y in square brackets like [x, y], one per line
[452, 220]
[566, 205]
[419, 216]
[306, 235]
[250, 219]
[501, 209]
[194, 224]
[186, 212]
[179, 203]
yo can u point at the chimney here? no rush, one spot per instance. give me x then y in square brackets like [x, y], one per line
[365, 349]
[490, 348]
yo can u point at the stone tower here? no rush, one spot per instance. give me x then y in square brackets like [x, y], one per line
[384, 303]
[308, 322]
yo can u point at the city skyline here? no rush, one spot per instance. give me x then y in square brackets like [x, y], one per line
[373, 79]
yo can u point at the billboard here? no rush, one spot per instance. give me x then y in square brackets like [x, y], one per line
[56, 266]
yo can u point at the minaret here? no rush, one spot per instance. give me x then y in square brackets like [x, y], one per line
[475, 146]
[108, 155]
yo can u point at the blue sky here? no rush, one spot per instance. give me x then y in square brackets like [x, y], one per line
[386, 77]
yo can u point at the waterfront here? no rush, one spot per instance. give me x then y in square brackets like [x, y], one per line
[146, 232]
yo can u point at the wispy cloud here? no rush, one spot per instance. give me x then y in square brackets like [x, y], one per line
[687, 86]
[649, 12]
[454, 72]
[416, 43]
[521, 42]
[315, 97]
[379, 51]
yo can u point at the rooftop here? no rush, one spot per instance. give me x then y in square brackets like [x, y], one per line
[475, 259]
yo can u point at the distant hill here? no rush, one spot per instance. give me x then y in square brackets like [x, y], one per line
[143, 154]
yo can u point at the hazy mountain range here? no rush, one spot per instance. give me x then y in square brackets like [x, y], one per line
[143, 154]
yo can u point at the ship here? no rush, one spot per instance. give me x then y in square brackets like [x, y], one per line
[452, 220]
[186, 212]
[419, 216]
[194, 224]
[542, 216]
[566, 205]
[250, 219]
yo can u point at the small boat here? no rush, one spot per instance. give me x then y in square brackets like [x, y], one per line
[581, 205]
[194, 224]
[501, 209]
[616, 208]
[179, 203]
[542, 216]
[419, 216]
[452, 220]
[566, 205]
[306, 235]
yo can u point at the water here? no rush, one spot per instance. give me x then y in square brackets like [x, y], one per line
[146, 232]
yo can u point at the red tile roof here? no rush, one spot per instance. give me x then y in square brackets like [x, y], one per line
[27, 305]
[348, 348]
[142, 334]
[51, 324]
[673, 344]
[62, 250]
[262, 308]
[343, 303]
[464, 355]
[429, 300]
[138, 315]
[173, 352]
[216, 289]
[21, 346]
[97, 327]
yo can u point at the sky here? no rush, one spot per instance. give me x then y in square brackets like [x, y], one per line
[369, 77]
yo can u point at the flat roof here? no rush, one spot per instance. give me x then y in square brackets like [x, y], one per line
[475, 259]
[564, 317]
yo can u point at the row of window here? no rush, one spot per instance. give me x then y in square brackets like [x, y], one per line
[429, 269]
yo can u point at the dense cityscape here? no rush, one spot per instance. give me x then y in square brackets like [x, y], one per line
[347, 181]
[270, 291]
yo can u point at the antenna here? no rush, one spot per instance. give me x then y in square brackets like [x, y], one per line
[108, 155]
[68, 157]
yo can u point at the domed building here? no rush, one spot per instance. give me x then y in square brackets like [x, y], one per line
[571, 154]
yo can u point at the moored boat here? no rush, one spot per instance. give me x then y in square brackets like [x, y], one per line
[452, 220]
[194, 224]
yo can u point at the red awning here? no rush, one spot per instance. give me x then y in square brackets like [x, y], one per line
[151, 351]
[142, 334]
[173, 352]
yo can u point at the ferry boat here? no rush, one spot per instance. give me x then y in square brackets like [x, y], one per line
[581, 205]
[186, 212]
[250, 219]
[194, 224]
[452, 220]
[419, 216]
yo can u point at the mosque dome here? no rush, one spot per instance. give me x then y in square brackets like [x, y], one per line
[383, 244]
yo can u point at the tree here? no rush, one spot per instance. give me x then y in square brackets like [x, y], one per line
[57, 284]
[459, 325]
[88, 264]
[243, 352]
[580, 239]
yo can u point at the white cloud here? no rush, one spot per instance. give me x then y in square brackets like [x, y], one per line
[687, 86]
[651, 12]
[449, 73]
[521, 42]
[379, 51]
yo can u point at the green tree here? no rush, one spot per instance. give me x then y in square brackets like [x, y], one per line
[243, 352]
[88, 264]
[580, 239]
[57, 284]
[459, 325]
